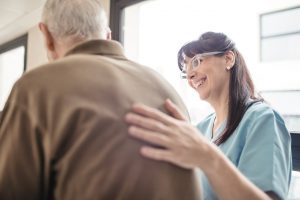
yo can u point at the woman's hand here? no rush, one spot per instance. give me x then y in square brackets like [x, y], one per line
[183, 144]
[186, 147]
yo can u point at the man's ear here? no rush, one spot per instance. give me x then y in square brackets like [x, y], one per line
[47, 36]
[49, 41]
[108, 34]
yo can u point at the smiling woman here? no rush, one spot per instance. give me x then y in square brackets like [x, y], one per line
[243, 148]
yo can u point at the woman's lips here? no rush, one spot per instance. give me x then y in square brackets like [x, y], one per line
[198, 82]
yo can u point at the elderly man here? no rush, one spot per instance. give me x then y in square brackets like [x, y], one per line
[62, 133]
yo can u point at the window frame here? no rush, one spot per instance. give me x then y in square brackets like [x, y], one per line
[261, 37]
[18, 42]
[116, 7]
[296, 150]
[13, 44]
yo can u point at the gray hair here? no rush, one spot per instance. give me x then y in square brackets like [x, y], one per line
[76, 19]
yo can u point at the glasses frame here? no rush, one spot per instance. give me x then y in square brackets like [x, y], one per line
[198, 56]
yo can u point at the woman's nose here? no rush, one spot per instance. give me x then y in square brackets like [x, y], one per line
[191, 74]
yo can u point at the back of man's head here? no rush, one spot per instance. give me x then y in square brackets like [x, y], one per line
[75, 19]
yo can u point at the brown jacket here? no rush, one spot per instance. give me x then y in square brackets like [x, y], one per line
[63, 136]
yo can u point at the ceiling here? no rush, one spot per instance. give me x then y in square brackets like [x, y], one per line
[17, 16]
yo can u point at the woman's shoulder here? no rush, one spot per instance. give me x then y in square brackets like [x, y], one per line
[262, 113]
[261, 110]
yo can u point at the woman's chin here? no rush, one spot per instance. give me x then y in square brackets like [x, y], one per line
[203, 96]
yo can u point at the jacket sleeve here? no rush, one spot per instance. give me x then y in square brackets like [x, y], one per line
[20, 155]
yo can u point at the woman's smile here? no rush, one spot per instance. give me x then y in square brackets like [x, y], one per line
[197, 82]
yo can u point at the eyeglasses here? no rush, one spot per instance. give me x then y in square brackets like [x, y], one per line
[195, 62]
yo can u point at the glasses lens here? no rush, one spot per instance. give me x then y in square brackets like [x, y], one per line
[195, 62]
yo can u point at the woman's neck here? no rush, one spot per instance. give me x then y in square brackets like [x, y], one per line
[221, 115]
[221, 109]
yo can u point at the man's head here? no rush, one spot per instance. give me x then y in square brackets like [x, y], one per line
[66, 23]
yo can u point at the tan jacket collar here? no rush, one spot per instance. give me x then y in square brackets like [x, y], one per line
[98, 47]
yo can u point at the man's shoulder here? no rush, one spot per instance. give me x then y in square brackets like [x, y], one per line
[58, 66]
[101, 68]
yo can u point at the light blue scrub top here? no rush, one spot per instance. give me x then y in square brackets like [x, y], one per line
[260, 148]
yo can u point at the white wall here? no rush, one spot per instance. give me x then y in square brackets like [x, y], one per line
[36, 53]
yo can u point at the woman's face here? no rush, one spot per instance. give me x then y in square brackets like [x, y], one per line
[208, 75]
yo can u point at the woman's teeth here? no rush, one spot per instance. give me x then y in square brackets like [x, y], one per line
[199, 83]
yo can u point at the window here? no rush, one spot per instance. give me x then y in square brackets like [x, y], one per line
[280, 35]
[280, 38]
[136, 25]
[280, 54]
[269, 42]
[290, 112]
[12, 65]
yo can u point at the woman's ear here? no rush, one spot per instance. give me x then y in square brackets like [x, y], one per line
[230, 59]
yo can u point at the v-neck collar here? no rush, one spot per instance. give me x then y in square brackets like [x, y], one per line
[219, 130]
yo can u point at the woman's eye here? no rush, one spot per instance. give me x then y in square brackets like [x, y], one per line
[196, 63]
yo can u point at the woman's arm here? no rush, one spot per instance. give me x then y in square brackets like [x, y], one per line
[228, 182]
[184, 146]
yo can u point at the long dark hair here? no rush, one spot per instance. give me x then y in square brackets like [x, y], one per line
[241, 87]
